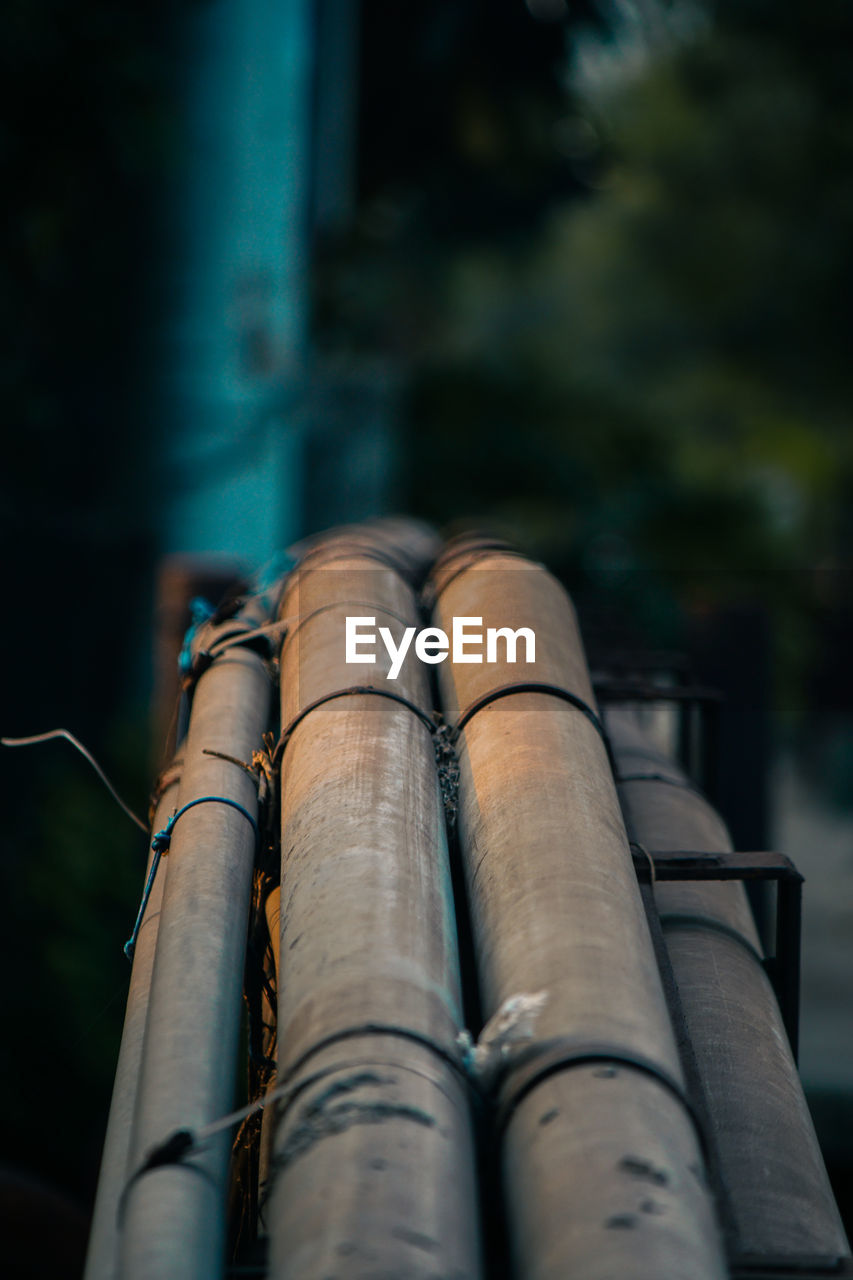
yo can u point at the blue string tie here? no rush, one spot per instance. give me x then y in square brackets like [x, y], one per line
[160, 844]
[201, 611]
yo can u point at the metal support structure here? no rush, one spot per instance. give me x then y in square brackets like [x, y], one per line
[698, 757]
[778, 1206]
[800, 1267]
[783, 967]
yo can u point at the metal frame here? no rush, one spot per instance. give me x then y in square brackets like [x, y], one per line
[701, 764]
[783, 968]
[792, 1267]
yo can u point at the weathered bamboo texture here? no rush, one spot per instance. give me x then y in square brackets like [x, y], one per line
[407, 545]
[373, 1172]
[173, 1221]
[601, 1163]
[771, 1170]
[102, 1254]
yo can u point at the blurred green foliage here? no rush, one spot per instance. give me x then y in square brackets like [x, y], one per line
[72, 879]
[651, 387]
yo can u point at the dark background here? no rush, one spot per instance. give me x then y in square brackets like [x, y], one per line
[606, 266]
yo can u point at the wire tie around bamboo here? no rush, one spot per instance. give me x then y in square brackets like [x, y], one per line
[160, 846]
[185, 1142]
[350, 691]
[551, 1057]
[228, 635]
[469, 1060]
[532, 686]
[443, 736]
[537, 686]
[468, 560]
[169, 777]
[298, 621]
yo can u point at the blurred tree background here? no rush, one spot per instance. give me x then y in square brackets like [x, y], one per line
[85, 136]
[626, 326]
[606, 247]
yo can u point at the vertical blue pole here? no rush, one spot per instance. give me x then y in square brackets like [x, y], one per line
[234, 343]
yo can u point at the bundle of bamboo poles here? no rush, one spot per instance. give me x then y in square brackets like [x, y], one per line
[380, 1106]
[369, 999]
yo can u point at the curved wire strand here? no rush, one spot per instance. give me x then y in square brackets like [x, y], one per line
[87, 755]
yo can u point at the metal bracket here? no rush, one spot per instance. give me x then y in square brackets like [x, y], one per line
[783, 968]
[614, 689]
[702, 765]
[791, 1267]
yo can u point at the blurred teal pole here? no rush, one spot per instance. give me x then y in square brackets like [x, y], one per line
[233, 349]
[336, 115]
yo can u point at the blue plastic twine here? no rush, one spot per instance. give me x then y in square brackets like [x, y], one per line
[160, 845]
[200, 612]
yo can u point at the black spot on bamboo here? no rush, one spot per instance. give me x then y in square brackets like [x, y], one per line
[639, 1168]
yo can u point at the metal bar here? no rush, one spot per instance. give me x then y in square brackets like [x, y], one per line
[793, 1267]
[685, 737]
[605, 662]
[789, 899]
[609, 689]
[783, 967]
[710, 771]
[693, 864]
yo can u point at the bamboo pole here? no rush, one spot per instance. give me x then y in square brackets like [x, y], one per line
[771, 1170]
[102, 1253]
[180, 579]
[373, 1171]
[406, 545]
[173, 1222]
[601, 1161]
